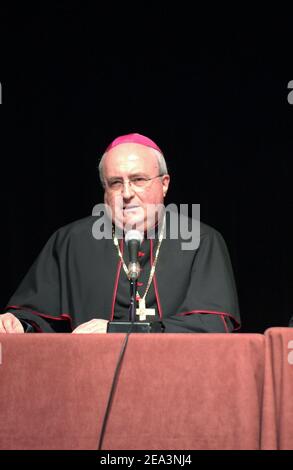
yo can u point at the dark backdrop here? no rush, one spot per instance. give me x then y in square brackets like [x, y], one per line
[210, 89]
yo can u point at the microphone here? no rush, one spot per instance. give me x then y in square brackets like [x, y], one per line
[133, 239]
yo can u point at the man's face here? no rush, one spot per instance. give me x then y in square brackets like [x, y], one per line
[132, 205]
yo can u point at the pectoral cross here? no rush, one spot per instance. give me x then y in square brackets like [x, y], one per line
[142, 311]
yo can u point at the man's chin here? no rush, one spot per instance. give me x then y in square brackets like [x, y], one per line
[133, 223]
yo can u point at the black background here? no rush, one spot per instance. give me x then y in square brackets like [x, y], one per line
[210, 87]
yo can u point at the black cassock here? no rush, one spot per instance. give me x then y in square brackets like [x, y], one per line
[77, 278]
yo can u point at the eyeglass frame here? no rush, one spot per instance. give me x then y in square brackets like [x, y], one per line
[122, 182]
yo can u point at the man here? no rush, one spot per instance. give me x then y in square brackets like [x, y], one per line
[79, 283]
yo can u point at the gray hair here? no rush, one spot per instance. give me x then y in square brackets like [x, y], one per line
[160, 157]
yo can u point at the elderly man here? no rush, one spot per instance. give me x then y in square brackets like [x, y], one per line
[78, 283]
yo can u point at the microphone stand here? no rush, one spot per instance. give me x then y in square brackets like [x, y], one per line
[132, 325]
[132, 307]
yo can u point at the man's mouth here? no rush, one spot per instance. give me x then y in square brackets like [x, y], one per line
[130, 208]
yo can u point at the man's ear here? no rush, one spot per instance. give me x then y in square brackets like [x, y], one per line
[165, 182]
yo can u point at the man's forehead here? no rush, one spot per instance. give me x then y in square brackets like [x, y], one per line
[126, 155]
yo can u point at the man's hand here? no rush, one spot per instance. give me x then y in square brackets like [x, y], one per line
[10, 324]
[96, 325]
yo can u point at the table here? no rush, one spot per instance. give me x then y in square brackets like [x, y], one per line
[175, 391]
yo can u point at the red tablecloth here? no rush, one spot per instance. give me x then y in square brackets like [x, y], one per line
[175, 391]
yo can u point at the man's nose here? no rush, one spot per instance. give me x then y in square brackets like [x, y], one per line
[127, 190]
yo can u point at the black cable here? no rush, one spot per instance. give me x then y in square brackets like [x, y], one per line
[113, 387]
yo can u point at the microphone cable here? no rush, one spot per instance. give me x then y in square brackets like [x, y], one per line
[113, 388]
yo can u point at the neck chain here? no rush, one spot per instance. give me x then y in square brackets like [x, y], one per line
[153, 268]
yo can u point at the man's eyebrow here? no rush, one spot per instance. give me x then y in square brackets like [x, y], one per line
[138, 173]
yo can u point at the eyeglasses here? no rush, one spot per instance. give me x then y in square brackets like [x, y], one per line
[136, 182]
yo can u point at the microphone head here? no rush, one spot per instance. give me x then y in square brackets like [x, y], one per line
[134, 235]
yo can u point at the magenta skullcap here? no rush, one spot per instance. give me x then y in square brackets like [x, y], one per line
[134, 139]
